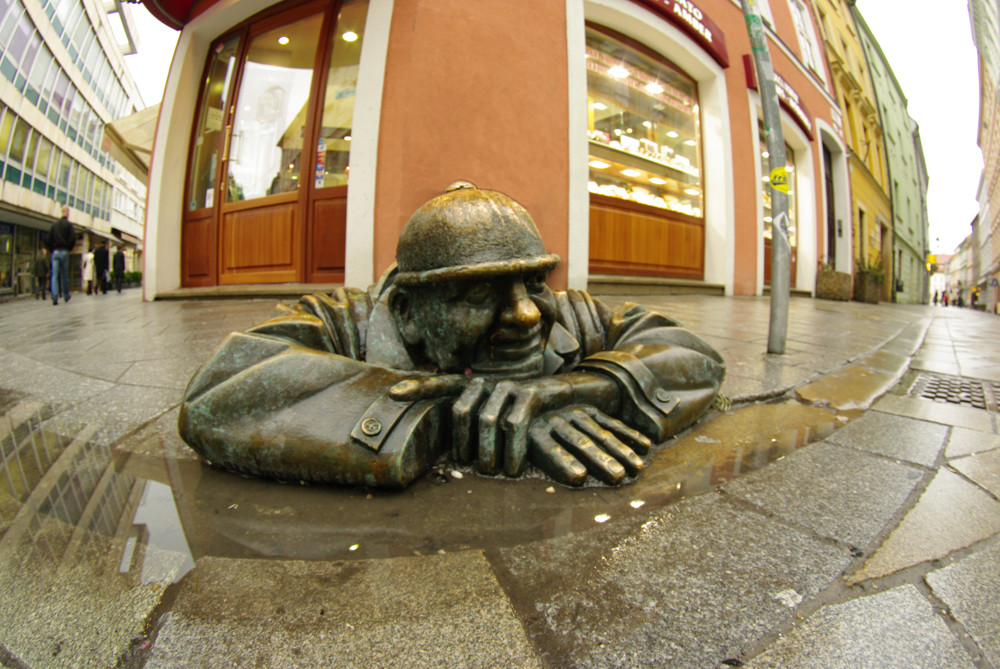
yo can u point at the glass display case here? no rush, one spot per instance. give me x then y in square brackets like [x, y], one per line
[643, 127]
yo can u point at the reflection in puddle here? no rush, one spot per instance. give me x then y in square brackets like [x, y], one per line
[158, 515]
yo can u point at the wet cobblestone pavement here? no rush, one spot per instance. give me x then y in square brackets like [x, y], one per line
[844, 512]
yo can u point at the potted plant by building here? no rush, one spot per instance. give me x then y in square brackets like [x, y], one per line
[831, 284]
[868, 277]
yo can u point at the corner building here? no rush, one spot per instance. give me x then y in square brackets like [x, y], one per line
[295, 139]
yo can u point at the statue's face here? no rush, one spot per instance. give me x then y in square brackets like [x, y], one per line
[496, 326]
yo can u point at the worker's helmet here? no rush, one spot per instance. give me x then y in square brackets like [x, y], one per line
[469, 233]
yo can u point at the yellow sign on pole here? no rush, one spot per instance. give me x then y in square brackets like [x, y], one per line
[779, 179]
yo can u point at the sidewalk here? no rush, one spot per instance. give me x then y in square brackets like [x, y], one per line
[836, 516]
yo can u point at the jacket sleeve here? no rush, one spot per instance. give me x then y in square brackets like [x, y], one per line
[666, 375]
[289, 399]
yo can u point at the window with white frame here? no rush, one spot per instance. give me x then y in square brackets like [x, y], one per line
[809, 47]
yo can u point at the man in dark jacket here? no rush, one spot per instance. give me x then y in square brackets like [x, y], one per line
[62, 239]
[42, 267]
[461, 351]
[101, 267]
[118, 266]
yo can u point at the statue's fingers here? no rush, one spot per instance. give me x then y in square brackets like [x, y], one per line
[490, 434]
[608, 442]
[634, 439]
[554, 460]
[464, 412]
[429, 387]
[515, 425]
[597, 462]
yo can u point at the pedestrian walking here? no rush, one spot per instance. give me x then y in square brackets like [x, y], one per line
[935, 298]
[87, 271]
[101, 266]
[42, 268]
[118, 267]
[62, 239]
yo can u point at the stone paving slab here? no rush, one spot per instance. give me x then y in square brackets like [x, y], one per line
[853, 387]
[936, 412]
[690, 586]
[894, 629]
[442, 610]
[951, 514]
[964, 441]
[981, 468]
[80, 614]
[971, 589]
[836, 492]
[893, 436]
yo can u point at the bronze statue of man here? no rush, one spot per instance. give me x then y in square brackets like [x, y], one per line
[460, 351]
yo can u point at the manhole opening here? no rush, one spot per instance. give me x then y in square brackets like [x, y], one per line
[956, 390]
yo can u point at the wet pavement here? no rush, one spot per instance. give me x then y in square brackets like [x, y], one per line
[845, 511]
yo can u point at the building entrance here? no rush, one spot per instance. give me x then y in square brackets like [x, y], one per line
[262, 205]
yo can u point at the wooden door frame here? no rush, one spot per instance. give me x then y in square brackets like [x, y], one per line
[259, 24]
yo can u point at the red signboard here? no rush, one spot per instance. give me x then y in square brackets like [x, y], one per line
[687, 16]
[787, 97]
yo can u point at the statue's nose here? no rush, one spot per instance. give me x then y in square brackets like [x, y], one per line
[522, 310]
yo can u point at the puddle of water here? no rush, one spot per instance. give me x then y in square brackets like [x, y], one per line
[190, 510]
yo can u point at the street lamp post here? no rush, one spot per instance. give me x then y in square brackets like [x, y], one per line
[778, 178]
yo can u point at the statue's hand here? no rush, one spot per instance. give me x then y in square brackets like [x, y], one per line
[494, 421]
[490, 418]
[568, 443]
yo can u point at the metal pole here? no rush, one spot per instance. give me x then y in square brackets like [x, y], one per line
[780, 248]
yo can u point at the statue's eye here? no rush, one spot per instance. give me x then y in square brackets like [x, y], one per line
[479, 294]
[535, 283]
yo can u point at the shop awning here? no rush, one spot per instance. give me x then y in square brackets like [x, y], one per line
[171, 13]
[129, 140]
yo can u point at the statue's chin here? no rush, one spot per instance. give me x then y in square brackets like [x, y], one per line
[528, 367]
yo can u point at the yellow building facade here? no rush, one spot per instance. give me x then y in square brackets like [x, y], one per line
[871, 207]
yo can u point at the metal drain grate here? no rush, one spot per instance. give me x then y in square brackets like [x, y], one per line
[955, 390]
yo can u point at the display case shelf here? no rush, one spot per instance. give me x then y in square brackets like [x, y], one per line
[600, 150]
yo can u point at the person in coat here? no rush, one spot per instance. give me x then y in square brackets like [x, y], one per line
[41, 273]
[62, 239]
[87, 271]
[101, 265]
[118, 267]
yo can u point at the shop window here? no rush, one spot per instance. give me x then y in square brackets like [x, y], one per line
[334, 144]
[265, 156]
[643, 126]
[6, 254]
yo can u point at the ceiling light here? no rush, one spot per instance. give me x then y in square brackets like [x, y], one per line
[598, 164]
[282, 40]
[657, 180]
[691, 142]
[347, 138]
[631, 173]
[350, 36]
[766, 154]
[618, 72]
[599, 106]
[672, 134]
[654, 88]
[647, 124]
[693, 191]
